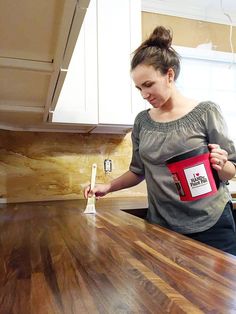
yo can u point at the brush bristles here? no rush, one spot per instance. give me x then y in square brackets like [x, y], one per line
[90, 208]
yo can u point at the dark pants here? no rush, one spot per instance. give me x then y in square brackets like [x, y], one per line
[222, 235]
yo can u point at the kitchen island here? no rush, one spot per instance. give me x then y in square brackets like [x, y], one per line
[55, 259]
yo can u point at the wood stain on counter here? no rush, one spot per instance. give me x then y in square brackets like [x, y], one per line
[55, 259]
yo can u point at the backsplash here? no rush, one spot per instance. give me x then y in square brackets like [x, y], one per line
[56, 166]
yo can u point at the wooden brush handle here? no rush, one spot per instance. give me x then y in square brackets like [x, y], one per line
[93, 175]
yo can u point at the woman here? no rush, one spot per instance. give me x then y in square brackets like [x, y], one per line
[176, 124]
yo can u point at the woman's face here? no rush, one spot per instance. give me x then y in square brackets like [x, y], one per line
[155, 87]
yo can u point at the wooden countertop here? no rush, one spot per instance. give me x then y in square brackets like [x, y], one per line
[55, 259]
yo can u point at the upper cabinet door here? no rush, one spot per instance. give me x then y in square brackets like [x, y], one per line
[78, 99]
[98, 88]
[119, 33]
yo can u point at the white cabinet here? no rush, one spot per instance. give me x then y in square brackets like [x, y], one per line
[119, 31]
[98, 88]
[37, 38]
[77, 102]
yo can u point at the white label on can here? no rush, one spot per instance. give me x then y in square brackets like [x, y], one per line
[197, 179]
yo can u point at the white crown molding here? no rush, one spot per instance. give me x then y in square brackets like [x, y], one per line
[196, 12]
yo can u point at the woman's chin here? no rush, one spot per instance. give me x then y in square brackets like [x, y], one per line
[156, 105]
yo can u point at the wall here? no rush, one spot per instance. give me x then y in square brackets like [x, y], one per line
[190, 33]
[47, 166]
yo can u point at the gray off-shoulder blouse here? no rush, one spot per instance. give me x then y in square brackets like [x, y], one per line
[155, 142]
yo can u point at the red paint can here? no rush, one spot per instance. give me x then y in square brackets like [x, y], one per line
[193, 175]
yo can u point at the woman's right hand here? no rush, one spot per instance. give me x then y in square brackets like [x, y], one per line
[99, 190]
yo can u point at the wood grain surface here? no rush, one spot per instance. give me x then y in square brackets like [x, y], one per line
[55, 259]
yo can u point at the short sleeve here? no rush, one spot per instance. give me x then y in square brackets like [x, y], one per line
[217, 131]
[136, 164]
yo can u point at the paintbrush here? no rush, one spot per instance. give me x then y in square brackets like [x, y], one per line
[90, 208]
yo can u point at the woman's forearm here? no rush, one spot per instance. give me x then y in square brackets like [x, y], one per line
[126, 180]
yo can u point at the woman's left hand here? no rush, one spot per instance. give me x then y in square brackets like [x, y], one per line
[218, 156]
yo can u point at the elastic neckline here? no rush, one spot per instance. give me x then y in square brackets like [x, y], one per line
[189, 119]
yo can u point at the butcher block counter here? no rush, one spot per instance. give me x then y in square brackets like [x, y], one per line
[55, 259]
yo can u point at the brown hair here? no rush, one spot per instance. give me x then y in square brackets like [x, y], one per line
[157, 51]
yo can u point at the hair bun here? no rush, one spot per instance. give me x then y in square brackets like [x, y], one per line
[156, 51]
[160, 37]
